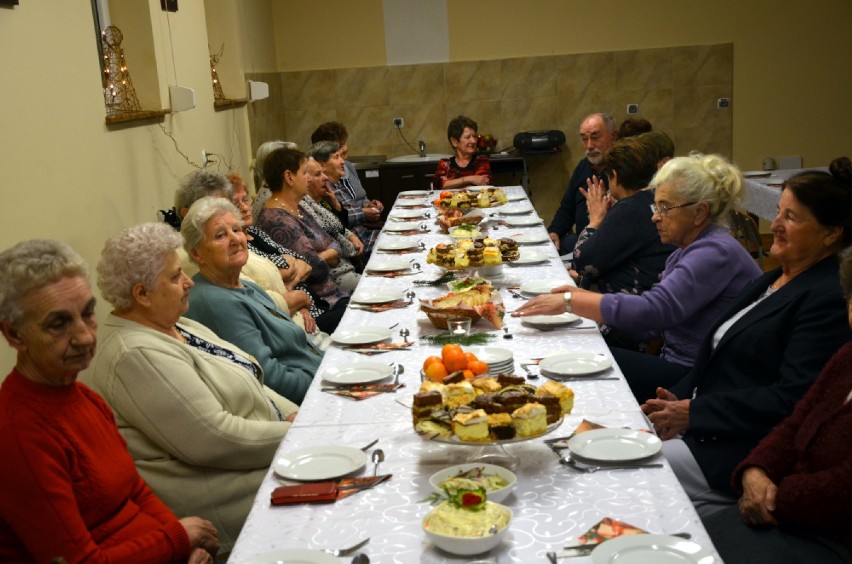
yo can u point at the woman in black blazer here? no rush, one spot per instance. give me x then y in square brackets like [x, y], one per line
[761, 356]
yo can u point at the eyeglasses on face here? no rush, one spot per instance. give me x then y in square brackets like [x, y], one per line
[664, 210]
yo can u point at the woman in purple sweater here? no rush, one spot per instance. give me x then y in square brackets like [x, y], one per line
[693, 199]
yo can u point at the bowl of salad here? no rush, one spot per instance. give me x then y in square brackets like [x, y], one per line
[497, 481]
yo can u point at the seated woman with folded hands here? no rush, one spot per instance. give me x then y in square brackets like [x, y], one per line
[199, 422]
[794, 486]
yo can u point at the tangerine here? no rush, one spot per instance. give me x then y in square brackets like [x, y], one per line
[468, 375]
[470, 357]
[435, 372]
[453, 357]
[430, 360]
[477, 367]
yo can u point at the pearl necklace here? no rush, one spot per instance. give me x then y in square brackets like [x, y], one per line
[283, 206]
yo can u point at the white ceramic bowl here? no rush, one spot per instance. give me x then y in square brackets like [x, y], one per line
[496, 496]
[467, 546]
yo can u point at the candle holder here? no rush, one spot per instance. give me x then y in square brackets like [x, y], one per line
[459, 326]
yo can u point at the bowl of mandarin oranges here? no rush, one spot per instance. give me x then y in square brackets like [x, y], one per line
[453, 359]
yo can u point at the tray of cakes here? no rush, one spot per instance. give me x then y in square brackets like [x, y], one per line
[475, 301]
[489, 409]
[464, 199]
[473, 253]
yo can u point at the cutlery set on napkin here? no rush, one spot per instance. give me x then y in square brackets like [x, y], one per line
[325, 492]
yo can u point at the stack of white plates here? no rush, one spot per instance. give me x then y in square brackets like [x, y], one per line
[499, 360]
[574, 364]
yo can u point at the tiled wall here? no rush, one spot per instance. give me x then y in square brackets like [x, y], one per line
[676, 89]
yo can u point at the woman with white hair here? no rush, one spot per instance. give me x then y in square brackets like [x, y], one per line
[198, 420]
[237, 310]
[70, 489]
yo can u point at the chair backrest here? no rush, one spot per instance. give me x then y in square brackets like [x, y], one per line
[744, 228]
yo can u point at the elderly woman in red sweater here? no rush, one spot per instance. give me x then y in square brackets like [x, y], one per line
[795, 486]
[70, 488]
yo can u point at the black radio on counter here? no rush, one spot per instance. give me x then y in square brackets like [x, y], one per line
[536, 142]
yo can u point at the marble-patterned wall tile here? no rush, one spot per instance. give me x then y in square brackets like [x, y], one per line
[655, 105]
[304, 90]
[703, 140]
[528, 76]
[585, 75]
[302, 123]
[474, 80]
[643, 69]
[703, 64]
[696, 106]
[527, 114]
[425, 122]
[361, 87]
[416, 84]
[370, 126]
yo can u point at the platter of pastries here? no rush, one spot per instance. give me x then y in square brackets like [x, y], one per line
[472, 253]
[484, 198]
[489, 409]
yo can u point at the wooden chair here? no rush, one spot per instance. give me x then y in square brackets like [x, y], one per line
[744, 229]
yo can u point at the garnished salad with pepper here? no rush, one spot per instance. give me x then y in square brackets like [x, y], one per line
[465, 512]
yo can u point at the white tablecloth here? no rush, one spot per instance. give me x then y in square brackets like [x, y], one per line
[552, 504]
[762, 193]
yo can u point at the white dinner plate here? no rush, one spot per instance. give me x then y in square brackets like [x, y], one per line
[293, 556]
[401, 244]
[363, 336]
[360, 372]
[615, 445]
[550, 321]
[575, 363]
[399, 227]
[531, 238]
[659, 549]
[523, 221]
[375, 296]
[413, 194]
[516, 197]
[407, 214]
[492, 355]
[531, 256]
[515, 209]
[413, 203]
[537, 287]
[319, 462]
[388, 265]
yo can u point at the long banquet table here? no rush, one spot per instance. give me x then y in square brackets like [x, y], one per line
[552, 504]
[763, 190]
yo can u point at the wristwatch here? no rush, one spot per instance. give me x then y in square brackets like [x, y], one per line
[567, 297]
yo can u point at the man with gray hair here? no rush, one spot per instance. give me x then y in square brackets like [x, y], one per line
[598, 133]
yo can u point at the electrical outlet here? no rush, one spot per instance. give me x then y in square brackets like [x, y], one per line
[204, 158]
[632, 109]
[723, 103]
[398, 123]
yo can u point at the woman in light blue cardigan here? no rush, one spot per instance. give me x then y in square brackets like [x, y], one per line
[237, 310]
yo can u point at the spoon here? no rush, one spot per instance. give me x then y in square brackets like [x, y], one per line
[361, 558]
[397, 370]
[506, 334]
[404, 333]
[410, 295]
[530, 374]
[377, 458]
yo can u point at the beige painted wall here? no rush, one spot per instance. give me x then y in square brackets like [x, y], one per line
[65, 175]
[791, 59]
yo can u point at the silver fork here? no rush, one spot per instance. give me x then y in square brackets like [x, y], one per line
[591, 469]
[346, 551]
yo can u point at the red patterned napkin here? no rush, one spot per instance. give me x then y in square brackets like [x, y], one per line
[393, 273]
[365, 391]
[609, 528]
[376, 348]
[377, 308]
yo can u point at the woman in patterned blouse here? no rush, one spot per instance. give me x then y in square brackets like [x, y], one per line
[289, 224]
[465, 168]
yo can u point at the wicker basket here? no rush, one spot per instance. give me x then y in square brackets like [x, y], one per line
[439, 317]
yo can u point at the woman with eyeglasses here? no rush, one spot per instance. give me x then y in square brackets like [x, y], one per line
[709, 268]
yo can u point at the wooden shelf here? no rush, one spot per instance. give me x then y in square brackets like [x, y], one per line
[141, 115]
[225, 104]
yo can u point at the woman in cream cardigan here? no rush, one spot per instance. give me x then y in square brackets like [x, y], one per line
[199, 423]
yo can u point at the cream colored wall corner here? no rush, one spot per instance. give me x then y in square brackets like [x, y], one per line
[65, 175]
